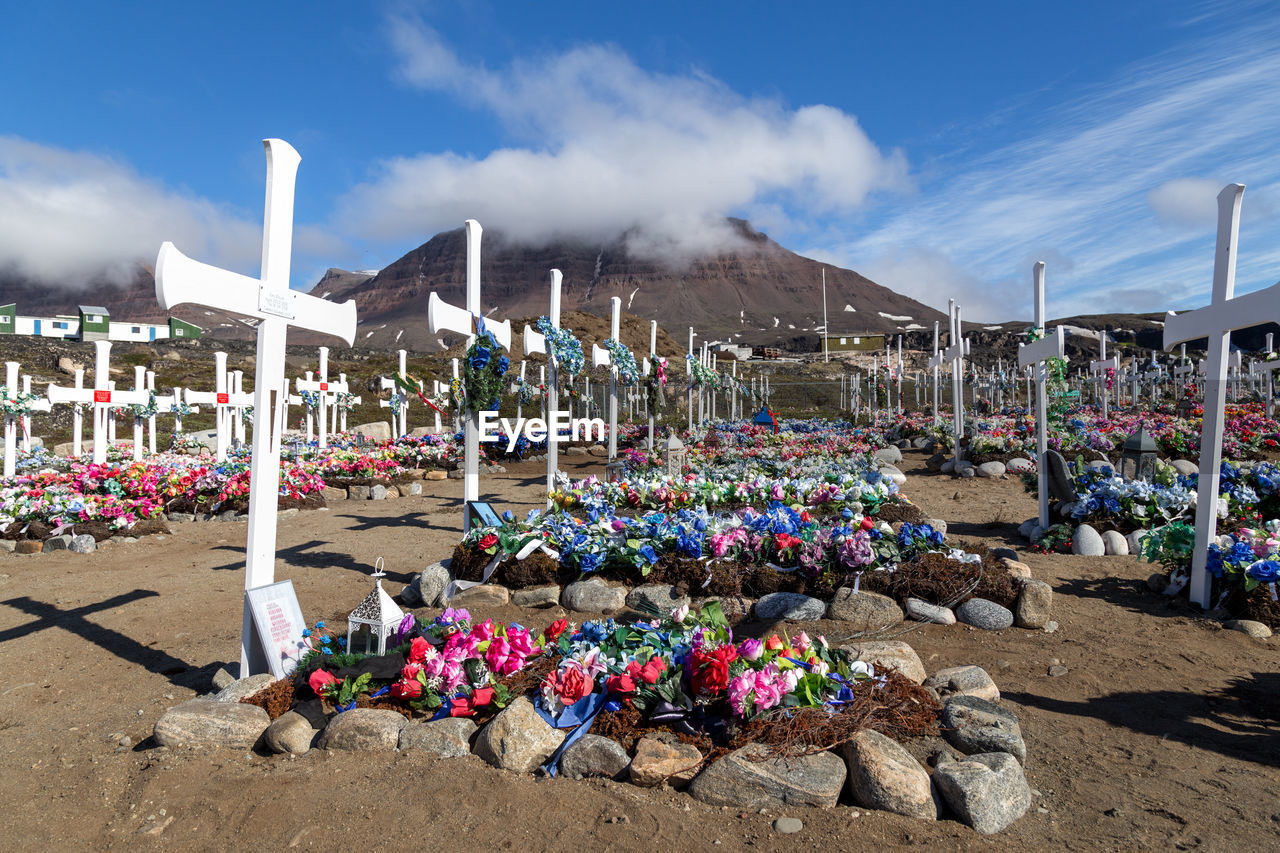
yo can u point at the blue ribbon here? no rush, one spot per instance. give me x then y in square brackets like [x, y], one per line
[579, 716]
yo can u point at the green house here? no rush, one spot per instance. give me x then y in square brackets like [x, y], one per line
[8, 318]
[182, 329]
[95, 323]
[855, 342]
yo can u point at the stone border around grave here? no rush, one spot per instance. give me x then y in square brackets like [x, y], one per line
[974, 773]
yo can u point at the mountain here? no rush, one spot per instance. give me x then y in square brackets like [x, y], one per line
[757, 293]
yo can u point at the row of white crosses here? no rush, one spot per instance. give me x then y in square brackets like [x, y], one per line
[955, 355]
[180, 279]
[536, 342]
[399, 408]
[600, 357]
[1035, 355]
[324, 391]
[443, 317]
[1099, 369]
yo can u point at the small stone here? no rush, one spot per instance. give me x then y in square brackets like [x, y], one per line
[1134, 540]
[484, 595]
[1114, 543]
[1016, 568]
[1087, 542]
[58, 543]
[227, 516]
[518, 738]
[886, 653]
[536, 596]
[7, 545]
[964, 681]
[984, 614]
[449, 737]
[363, 729]
[415, 489]
[1050, 626]
[892, 472]
[1057, 671]
[1035, 603]
[1248, 626]
[331, 494]
[1185, 467]
[659, 598]
[939, 525]
[244, 687]
[434, 475]
[29, 546]
[991, 470]
[593, 595]
[947, 466]
[575, 451]
[751, 777]
[358, 493]
[890, 454]
[430, 584]
[790, 605]
[205, 722]
[662, 757]
[222, 678]
[788, 825]
[884, 776]
[1004, 553]
[967, 473]
[291, 734]
[593, 755]
[868, 611]
[975, 725]
[1061, 485]
[1018, 465]
[377, 492]
[923, 611]
[987, 791]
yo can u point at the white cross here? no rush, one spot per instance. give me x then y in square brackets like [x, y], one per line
[400, 412]
[220, 399]
[240, 401]
[1051, 346]
[323, 389]
[77, 417]
[11, 422]
[935, 364]
[536, 342]
[441, 316]
[1225, 313]
[100, 395]
[600, 357]
[180, 279]
[955, 354]
[1100, 367]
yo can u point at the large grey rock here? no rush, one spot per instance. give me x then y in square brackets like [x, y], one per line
[1061, 487]
[358, 493]
[244, 687]
[206, 722]
[987, 791]
[1017, 568]
[449, 737]
[894, 473]
[1035, 604]
[593, 755]
[1254, 629]
[536, 596]
[889, 454]
[432, 582]
[661, 757]
[1185, 467]
[868, 611]
[1087, 542]
[482, 596]
[377, 492]
[1018, 465]
[939, 524]
[934, 462]
[1114, 543]
[922, 442]
[984, 614]
[290, 733]
[884, 776]
[752, 778]
[991, 470]
[1134, 540]
[83, 543]
[1027, 526]
[888, 653]
[790, 605]
[922, 611]
[964, 681]
[1004, 553]
[593, 595]
[363, 729]
[948, 467]
[966, 473]
[378, 430]
[658, 598]
[976, 725]
[518, 738]
[60, 542]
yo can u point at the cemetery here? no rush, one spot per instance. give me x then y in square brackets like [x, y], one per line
[596, 517]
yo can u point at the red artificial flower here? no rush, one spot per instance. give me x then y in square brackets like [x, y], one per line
[320, 679]
[711, 668]
[418, 650]
[555, 629]
[867, 523]
[574, 685]
[774, 643]
[488, 541]
[652, 671]
[623, 684]
[407, 689]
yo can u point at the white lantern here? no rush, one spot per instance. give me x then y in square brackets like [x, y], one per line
[376, 616]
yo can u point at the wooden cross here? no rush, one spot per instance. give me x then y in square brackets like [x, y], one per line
[1225, 313]
[220, 399]
[400, 413]
[180, 280]
[443, 317]
[101, 396]
[1100, 367]
[536, 342]
[1052, 346]
[323, 389]
[955, 355]
[600, 357]
[11, 422]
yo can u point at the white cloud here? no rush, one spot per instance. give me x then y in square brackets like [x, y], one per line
[611, 147]
[1190, 202]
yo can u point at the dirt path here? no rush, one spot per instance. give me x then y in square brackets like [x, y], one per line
[1162, 734]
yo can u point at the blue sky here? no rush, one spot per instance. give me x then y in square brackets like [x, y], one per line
[938, 148]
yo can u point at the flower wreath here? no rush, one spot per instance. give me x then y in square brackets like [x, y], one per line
[310, 399]
[483, 371]
[23, 404]
[246, 415]
[563, 347]
[180, 409]
[654, 384]
[344, 401]
[1055, 378]
[701, 376]
[621, 358]
[526, 391]
[146, 411]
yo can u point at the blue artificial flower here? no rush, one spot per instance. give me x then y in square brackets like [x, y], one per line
[1264, 571]
[590, 561]
[846, 514]
[508, 516]
[647, 554]
[319, 624]
[503, 364]
[480, 358]
[689, 544]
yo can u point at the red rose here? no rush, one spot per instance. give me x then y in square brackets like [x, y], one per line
[481, 696]
[773, 643]
[711, 669]
[574, 685]
[488, 541]
[556, 628]
[418, 650]
[652, 671]
[319, 680]
[623, 684]
[867, 523]
[407, 689]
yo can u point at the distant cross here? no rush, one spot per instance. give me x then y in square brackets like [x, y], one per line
[1100, 368]
[1036, 354]
[180, 279]
[601, 357]
[100, 395]
[220, 400]
[536, 342]
[955, 354]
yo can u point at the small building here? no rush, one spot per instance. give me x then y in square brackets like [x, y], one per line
[8, 318]
[855, 342]
[95, 323]
[183, 329]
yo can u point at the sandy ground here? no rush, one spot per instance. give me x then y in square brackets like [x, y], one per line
[1162, 734]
